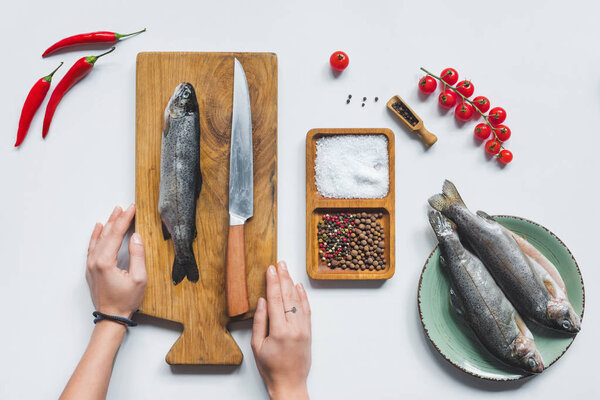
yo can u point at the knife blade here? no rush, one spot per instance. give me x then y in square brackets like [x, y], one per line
[241, 193]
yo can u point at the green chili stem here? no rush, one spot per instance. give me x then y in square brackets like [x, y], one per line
[48, 78]
[103, 54]
[120, 36]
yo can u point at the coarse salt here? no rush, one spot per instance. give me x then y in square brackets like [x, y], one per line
[352, 167]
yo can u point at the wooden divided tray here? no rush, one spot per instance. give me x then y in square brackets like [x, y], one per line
[317, 206]
[201, 307]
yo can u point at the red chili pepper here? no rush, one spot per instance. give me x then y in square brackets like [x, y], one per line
[85, 38]
[32, 103]
[80, 69]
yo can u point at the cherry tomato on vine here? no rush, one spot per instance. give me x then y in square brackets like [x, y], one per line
[339, 60]
[465, 88]
[447, 99]
[482, 103]
[449, 75]
[497, 116]
[482, 131]
[427, 84]
[492, 147]
[502, 132]
[463, 111]
[505, 156]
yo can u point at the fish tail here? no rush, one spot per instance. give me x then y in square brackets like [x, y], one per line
[449, 196]
[441, 226]
[185, 265]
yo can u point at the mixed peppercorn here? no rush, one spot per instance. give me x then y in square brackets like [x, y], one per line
[352, 241]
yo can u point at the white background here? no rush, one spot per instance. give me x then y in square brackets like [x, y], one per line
[539, 60]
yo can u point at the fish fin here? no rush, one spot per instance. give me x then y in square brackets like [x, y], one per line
[178, 272]
[554, 289]
[165, 232]
[440, 224]
[198, 182]
[522, 326]
[442, 262]
[457, 303]
[485, 215]
[185, 265]
[438, 202]
[449, 196]
[550, 287]
[167, 123]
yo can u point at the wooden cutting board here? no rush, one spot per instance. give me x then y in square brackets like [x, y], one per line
[201, 307]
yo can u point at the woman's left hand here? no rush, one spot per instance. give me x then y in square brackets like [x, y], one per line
[281, 336]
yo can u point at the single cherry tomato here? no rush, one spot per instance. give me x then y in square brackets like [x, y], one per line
[497, 116]
[339, 60]
[505, 156]
[482, 131]
[482, 103]
[447, 99]
[449, 75]
[427, 84]
[465, 88]
[502, 132]
[492, 147]
[463, 111]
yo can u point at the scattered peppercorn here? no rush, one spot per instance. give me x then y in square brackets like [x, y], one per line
[349, 96]
[348, 101]
[351, 241]
[376, 99]
[363, 104]
[364, 99]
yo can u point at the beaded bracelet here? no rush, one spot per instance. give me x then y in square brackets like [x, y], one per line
[122, 320]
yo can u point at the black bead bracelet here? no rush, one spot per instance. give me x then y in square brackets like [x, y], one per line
[122, 320]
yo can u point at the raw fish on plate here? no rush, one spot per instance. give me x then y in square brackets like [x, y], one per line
[527, 284]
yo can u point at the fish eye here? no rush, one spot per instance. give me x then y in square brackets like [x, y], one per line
[566, 324]
[185, 94]
[532, 363]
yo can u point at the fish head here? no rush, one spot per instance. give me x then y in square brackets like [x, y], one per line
[526, 356]
[562, 316]
[183, 101]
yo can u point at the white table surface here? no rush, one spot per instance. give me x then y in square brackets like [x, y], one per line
[539, 60]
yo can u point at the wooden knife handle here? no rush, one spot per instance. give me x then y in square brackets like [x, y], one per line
[428, 138]
[235, 272]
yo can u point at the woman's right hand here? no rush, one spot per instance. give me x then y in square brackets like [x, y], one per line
[283, 357]
[115, 291]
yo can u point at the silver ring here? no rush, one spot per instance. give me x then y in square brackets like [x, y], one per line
[292, 310]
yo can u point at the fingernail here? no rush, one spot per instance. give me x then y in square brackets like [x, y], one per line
[300, 287]
[283, 265]
[130, 207]
[261, 304]
[271, 270]
[116, 210]
[137, 238]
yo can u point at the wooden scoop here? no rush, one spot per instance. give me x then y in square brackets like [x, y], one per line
[411, 120]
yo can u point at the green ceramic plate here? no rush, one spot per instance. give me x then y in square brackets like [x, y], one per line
[456, 342]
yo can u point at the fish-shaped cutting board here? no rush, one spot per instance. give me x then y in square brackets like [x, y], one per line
[201, 307]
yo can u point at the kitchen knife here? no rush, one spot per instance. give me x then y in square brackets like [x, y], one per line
[241, 194]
